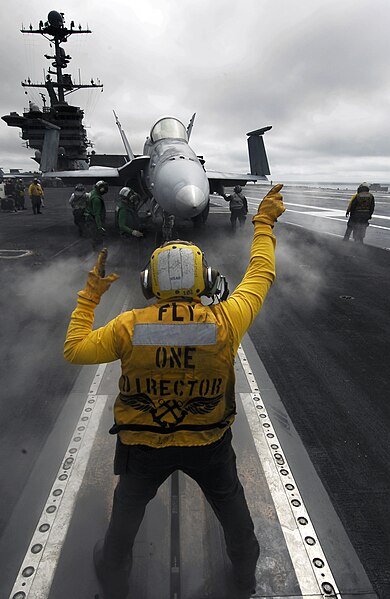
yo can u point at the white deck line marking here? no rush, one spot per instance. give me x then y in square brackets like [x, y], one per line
[36, 573]
[336, 211]
[40, 562]
[11, 257]
[302, 227]
[66, 248]
[312, 570]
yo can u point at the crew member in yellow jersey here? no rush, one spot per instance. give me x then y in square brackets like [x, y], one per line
[176, 402]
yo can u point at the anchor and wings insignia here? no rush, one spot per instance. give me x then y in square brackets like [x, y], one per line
[172, 408]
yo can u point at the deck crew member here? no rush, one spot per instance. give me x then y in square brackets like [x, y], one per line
[95, 213]
[238, 207]
[78, 201]
[176, 402]
[19, 192]
[126, 214]
[35, 192]
[360, 210]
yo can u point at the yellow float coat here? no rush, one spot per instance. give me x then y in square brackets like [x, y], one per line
[177, 357]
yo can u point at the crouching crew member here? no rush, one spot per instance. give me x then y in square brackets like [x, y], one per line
[176, 402]
[360, 210]
[127, 218]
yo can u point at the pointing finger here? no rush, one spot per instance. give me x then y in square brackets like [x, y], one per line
[275, 190]
[101, 262]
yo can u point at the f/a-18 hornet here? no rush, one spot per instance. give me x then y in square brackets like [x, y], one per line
[170, 174]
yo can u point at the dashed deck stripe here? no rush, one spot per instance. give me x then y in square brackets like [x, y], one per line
[40, 562]
[311, 567]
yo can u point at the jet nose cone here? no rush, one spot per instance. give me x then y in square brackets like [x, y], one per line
[191, 200]
[181, 188]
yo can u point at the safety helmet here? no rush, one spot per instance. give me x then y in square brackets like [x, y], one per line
[363, 187]
[238, 189]
[79, 187]
[125, 192]
[101, 186]
[36, 180]
[178, 269]
[130, 196]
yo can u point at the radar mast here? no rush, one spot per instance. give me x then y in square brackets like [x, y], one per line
[56, 131]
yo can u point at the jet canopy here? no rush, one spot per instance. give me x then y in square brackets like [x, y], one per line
[168, 127]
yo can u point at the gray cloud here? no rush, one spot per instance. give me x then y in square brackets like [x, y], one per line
[314, 70]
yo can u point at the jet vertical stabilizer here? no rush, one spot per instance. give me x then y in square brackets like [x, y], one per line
[128, 149]
[257, 154]
[190, 125]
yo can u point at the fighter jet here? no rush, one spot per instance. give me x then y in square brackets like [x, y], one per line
[169, 174]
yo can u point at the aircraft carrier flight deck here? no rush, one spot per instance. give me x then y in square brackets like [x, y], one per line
[312, 433]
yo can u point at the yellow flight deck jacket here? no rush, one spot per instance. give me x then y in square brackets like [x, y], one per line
[35, 189]
[177, 357]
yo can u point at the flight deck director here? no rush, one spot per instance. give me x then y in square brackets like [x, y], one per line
[176, 400]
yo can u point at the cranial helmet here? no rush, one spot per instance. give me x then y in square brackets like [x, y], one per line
[130, 196]
[363, 187]
[238, 189]
[178, 269]
[101, 186]
[125, 192]
[79, 187]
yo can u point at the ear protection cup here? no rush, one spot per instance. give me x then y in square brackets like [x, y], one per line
[211, 280]
[146, 283]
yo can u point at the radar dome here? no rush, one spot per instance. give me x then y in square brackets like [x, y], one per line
[55, 19]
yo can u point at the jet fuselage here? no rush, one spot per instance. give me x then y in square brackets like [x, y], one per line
[174, 175]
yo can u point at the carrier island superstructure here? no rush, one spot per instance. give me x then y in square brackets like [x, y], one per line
[55, 130]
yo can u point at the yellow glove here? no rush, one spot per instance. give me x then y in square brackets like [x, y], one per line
[97, 282]
[271, 207]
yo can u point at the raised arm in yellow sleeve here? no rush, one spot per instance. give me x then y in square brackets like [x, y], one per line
[82, 344]
[350, 204]
[248, 297]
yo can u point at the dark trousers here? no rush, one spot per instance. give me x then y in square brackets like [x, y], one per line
[358, 227]
[359, 231]
[93, 232]
[19, 202]
[36, 204]
[79, 219]
[213, 467]
[237, 214]
[348, 231]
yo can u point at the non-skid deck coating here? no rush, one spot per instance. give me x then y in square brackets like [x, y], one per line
[179, 551]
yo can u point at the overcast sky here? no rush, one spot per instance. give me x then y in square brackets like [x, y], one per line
[316, 70]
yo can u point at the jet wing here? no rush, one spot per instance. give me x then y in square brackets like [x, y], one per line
[115, 175]
[218, 180]
[231, 179]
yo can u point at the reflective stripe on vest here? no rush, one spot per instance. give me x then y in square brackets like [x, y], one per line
[175, 334]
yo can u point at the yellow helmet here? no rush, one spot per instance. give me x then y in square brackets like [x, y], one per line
[178, 269]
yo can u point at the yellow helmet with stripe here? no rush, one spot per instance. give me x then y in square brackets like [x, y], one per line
[178, 269]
